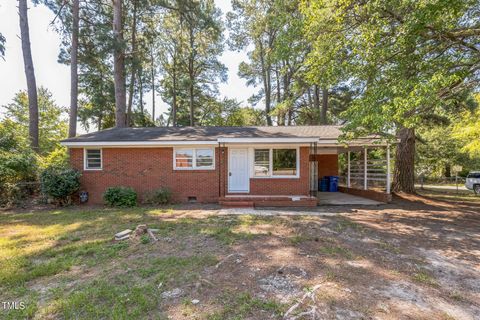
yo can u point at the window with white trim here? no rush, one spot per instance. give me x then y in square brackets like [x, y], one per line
[194, 158]
[276, 162]
[262, 162]
[93, 159]
[284, 162]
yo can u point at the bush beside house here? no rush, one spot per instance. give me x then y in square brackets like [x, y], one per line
[17, 173]
[120, 197]
[60, 184]
[158, 197]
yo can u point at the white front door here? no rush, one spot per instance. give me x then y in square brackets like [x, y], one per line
[238, 177]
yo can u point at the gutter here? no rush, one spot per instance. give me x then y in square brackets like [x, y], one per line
[320, 142]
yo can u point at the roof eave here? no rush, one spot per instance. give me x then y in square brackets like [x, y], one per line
[134, 143]
[268, 140]
[324, 142]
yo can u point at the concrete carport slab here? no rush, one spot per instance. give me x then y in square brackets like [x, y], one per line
[339, 199]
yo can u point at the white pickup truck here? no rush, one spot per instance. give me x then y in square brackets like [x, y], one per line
[473, 181]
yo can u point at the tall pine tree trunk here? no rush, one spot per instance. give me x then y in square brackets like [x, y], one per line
[174, 93]
[152, 75]
[119, 65]
[102, 98]
[134, 65]
[268, 95]
[404, 175]
[72, 127]
[279, 93]
[267, 83]
[279, 87]
[190, 102]
[316, 102]
[140, 88]
[191, 75]
[311, 119]
[286, 94]
[30, 75]
[448, 170]
[323, 113]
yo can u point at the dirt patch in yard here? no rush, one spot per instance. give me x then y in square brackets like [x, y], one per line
[416, 258]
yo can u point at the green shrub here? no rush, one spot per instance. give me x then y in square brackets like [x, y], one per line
[158, 197]
[17, 166]
[120, 197]
[11, 195]
[60, 183]
[57, 158]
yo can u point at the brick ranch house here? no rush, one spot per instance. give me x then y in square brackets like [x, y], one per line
[262, 166]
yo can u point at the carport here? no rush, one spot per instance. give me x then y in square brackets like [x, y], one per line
[363, 166]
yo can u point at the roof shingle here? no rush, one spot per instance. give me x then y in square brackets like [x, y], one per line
[207, 133]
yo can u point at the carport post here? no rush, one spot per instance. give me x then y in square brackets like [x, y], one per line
[365, 182]
[348, 170]
[388, 168]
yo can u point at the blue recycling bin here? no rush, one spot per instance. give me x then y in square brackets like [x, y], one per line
[323, 185]
[333, 184]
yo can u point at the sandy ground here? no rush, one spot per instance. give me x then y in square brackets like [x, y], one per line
[416, 258]
[412, 259]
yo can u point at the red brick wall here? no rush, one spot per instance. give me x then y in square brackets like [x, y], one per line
[281, 186]
[327, 165]
[147, 169]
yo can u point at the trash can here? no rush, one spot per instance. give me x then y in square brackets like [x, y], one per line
[83, 196]
[323, 185]
[333, 184]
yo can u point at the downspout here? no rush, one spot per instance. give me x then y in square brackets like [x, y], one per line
[313, 169]
[365, 168]
[388, 169]
[348, 170]
[219, 171]
[225, 177]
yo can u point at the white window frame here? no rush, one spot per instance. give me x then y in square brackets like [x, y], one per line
[85, 162]
[270, 165]
[194, 159]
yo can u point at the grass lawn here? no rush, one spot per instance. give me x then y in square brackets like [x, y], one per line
[63, 264]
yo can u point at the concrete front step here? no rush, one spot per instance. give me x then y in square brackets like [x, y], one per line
[267, 201]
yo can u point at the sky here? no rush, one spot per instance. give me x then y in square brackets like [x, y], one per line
[45, 44]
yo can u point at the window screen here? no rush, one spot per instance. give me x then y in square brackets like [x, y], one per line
[284, 162]
[93, 159]
[262, 162]
[204, 158]
[184, 158]
[201, 158]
